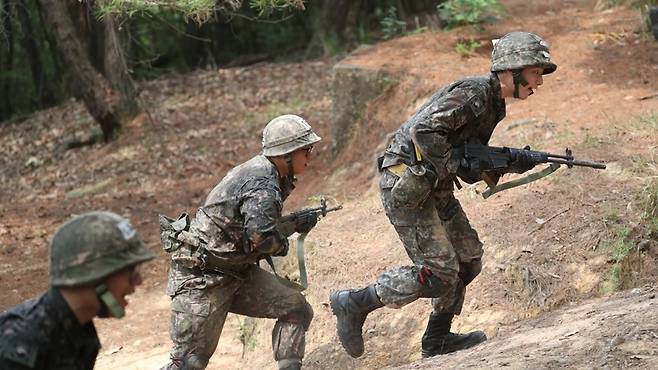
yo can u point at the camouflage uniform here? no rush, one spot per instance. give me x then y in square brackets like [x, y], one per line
[248, 200]
[418, 171]
[45, 333]
[437, 235]
[36, 334]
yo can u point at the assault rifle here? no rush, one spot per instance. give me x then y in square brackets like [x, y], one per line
[488, 163]
[291, 219]
[316, 212]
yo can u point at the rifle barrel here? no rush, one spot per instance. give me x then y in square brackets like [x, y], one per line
[576, 162]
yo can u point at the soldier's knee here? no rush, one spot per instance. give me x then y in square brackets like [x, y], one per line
[434, 286]
[469, 271]
[303, 316]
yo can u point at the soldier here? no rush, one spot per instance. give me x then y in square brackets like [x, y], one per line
[416, 187]
[94, 261]
[214, 267]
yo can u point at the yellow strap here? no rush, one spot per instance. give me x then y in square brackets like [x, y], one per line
[418, 157]
[399, 169]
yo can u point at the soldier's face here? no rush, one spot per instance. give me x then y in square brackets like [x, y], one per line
[534, 77]
[300, 159]
[123, 283]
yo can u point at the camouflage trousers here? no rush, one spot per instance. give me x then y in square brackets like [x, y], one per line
[443, 247]
[200, 307]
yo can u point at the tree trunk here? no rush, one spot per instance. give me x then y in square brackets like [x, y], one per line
[43, 96]
[52, 47]
[117, 70]
[6, 60]
[94, 90]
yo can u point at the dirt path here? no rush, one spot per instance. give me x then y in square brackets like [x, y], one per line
[549, 246]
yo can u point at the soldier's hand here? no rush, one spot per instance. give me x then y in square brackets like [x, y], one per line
[283, 249]
[306, 222]
[523, 162]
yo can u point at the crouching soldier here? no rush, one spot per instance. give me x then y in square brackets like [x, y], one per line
[214, 267]
[94, 260]
[418, 171]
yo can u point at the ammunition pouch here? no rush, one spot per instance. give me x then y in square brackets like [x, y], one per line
[169, 230]
[183, 246]
[414, 185]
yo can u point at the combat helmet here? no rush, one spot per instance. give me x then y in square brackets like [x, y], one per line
[287, 133]
[90, 247]
[518, 50]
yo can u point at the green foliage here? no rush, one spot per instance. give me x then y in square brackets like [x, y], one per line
[468, 12]
[646, 121]
[644, 6]
[246, 331]
[267, 7]
[200, 11]
[391, 24]
[620, 247]
[467, 48]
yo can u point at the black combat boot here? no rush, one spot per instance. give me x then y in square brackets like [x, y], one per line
[438, 339]
[351, 308]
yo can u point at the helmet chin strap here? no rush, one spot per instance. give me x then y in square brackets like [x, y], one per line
[519, 80]
[109, 305]
[291, 174]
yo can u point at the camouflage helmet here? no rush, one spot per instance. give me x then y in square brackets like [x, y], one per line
[287, 133]
[517, 50]
[92, 246]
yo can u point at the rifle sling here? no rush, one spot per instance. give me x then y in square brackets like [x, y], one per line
[522, 181]
[303, 278]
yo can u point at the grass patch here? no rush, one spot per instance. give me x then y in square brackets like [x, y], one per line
[646, 121]
[467, 48]
[620, 247]
[246, 333]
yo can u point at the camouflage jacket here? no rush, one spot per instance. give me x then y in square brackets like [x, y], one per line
[471, 107]
[247, 201]
[44, 333]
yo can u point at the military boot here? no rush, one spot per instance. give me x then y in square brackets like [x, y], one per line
[351, 308]
[438, 339]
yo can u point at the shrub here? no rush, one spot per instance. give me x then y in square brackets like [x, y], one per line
[468, 12]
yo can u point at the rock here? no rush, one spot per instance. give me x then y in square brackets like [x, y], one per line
[353, 88]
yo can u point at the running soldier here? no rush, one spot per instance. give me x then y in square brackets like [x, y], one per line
[215, 257]
[418, 171]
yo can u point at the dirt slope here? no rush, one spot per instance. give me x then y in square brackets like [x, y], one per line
[549, 246]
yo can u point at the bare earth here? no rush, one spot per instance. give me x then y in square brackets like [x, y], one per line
[544, 297]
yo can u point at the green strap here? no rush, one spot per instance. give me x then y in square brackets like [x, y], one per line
[108, 299]
[522, 181]
[303, 279]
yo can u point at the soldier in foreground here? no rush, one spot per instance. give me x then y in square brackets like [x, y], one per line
[418, 171]
[214, 267]
[94, 260]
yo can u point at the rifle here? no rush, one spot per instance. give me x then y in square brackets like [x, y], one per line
[317, 212]
[292, 218]
[482, 162]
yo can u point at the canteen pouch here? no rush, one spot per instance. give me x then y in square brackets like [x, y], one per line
[412, 188]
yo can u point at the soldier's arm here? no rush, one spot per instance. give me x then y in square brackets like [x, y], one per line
[460, 107]
[261, 209]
